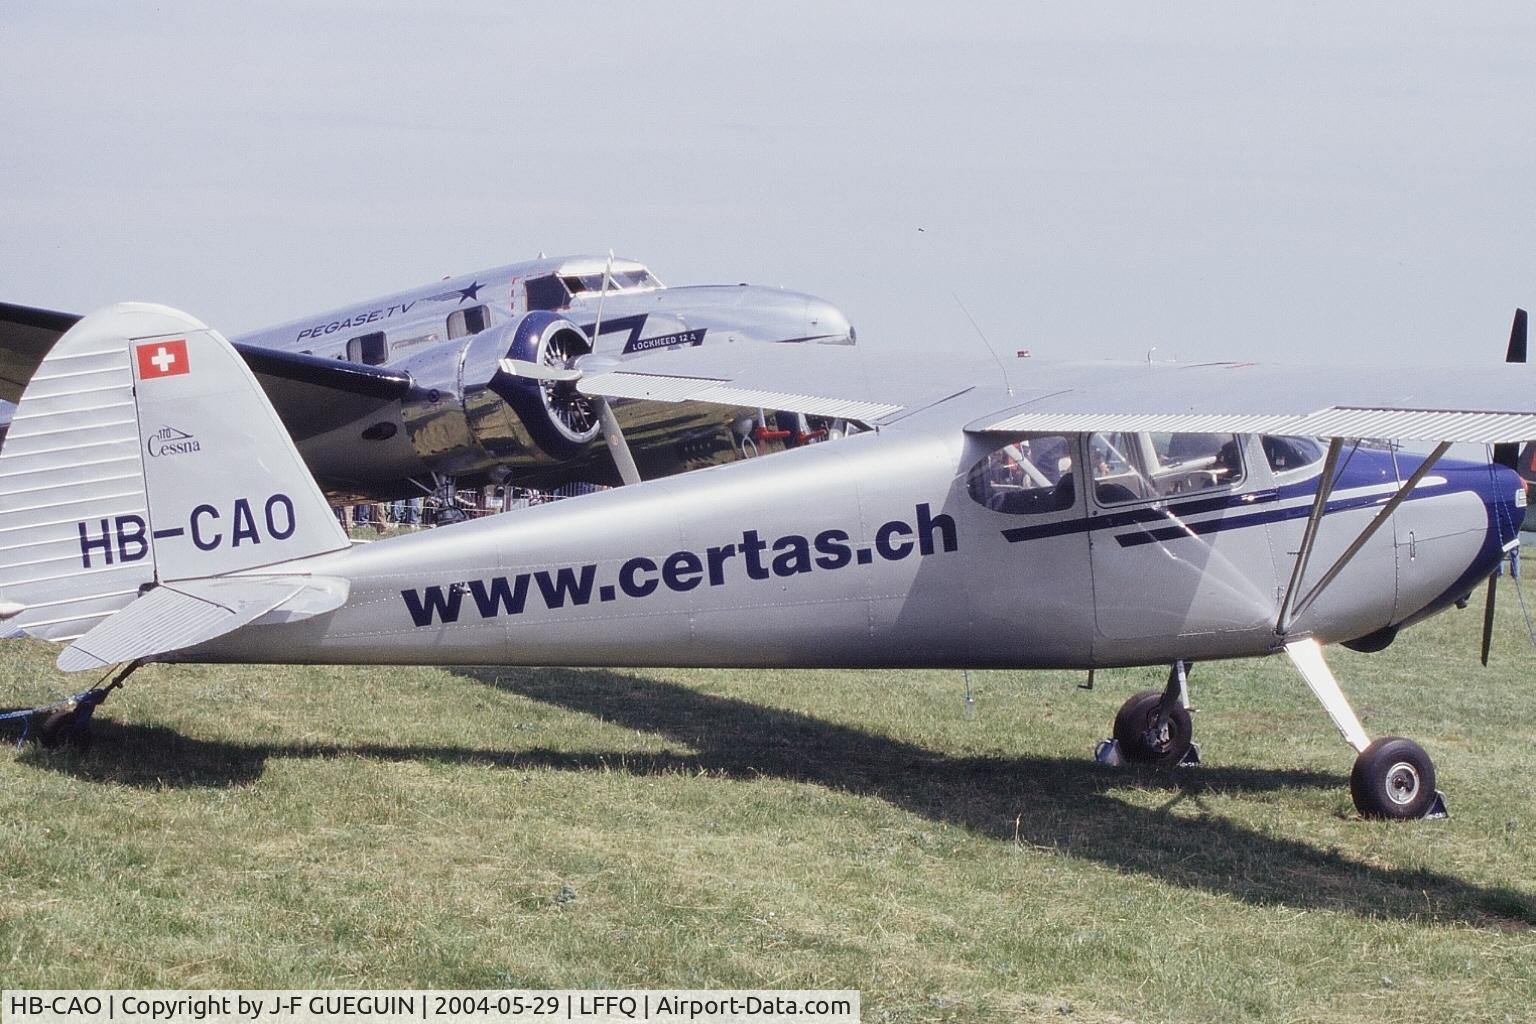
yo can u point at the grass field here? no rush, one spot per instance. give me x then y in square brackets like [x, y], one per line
[279, 827]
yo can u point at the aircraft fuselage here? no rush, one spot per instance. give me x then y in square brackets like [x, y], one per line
[876, 551]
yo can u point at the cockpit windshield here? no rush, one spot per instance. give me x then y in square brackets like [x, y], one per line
[554, 291]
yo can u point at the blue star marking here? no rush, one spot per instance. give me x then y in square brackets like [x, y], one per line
[472, 292]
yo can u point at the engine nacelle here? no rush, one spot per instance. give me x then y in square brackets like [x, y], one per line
[465, 415]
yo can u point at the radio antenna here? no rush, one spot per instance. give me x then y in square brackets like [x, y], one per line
[985, 341]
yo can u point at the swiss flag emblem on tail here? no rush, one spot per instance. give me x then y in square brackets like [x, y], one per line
[162, 358]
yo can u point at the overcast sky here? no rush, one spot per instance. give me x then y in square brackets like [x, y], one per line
[1306, 181]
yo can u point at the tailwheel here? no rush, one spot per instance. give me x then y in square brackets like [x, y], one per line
[65, 729]
[1393, 778]
[1147, 734]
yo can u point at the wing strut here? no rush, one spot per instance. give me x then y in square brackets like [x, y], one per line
[1309, 536]
[1288, 611]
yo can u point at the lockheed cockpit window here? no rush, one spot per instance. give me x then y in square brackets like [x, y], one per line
[1026, 477]
[1138, 467]
[578, 283]
[1288, 453]
[618, 281]
[634, 280]
[462, 322]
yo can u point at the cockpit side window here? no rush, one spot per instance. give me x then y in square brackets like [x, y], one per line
[546, 293]
[1026, 477]
[578, 283]
[1287, 453]
[1144, 466]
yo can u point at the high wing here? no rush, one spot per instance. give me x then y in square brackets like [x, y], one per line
[1479, 404]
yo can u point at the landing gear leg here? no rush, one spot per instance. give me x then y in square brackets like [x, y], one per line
[448, 508]
[1154, 728]
[1392, 777]
[70, 725]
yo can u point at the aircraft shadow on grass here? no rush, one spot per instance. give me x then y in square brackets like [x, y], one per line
[1061, 805]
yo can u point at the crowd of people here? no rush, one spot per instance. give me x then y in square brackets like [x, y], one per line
[432, 510]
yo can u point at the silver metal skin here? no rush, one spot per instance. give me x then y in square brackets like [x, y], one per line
[455, 417]
[1071, 600]
[456, 424]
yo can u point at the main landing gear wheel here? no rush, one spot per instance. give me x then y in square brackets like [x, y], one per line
[1393, 778]
[1141, 739]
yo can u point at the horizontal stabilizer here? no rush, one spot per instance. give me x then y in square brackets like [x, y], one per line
[170, 618]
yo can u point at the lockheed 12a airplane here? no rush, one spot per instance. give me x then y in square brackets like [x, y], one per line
[392, 397]
[1096, 515]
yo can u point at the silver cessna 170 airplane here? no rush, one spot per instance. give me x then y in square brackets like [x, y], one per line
[390, 397]
[1093, 515]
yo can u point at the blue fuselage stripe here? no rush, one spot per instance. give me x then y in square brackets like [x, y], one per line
[1179, 528]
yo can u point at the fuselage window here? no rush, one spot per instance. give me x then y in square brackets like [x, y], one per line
[1288, 453]
[462, 322]
[1026, 477]
[370, 349]
[1145, 466]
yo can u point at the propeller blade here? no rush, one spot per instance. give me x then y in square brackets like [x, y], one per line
[1493, 591]
[539, 372]
[618, 447]
[1516, 351]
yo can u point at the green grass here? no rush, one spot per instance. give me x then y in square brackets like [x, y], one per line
[279, 827]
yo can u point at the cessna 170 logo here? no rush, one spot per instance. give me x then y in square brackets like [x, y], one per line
[170, 441]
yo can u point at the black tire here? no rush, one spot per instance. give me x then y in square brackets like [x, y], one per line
[450, 514]
[1133, 730]
[1393, 778]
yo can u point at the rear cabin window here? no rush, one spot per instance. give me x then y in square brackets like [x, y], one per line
[1146, 466]
[463, 322]
[370, 349]
[1287, 453]
[1026, 477]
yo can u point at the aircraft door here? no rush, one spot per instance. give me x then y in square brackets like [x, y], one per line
[1178, 547]
[1029, 585]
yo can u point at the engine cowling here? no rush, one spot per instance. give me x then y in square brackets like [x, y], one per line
[466, 416]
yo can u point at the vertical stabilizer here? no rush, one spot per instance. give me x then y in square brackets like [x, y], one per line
[144, 451]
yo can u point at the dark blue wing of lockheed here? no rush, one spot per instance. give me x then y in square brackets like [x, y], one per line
[313, 395]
